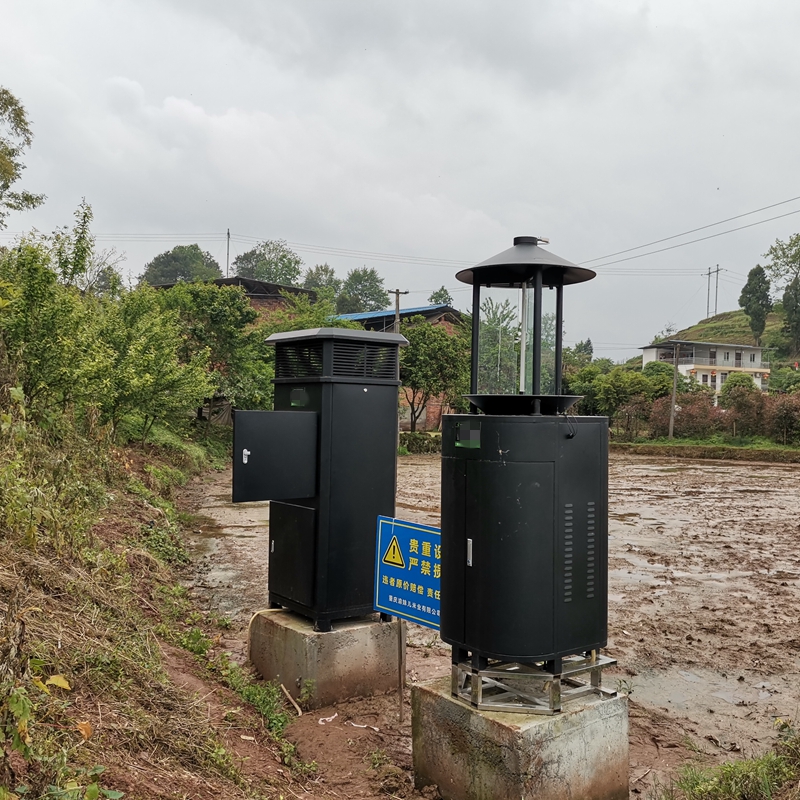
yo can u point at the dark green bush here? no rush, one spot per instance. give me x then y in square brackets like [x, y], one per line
[420, 442]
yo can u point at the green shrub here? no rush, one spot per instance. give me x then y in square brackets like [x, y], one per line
[419, 442]
[265, 696]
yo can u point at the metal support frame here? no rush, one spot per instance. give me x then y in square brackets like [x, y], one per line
[476, 324]
[530, 688]
[559, 342]
[536, 371]
[523, 344]
[536, 366]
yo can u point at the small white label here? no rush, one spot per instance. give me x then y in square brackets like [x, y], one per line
[245, 454]
[469, 552]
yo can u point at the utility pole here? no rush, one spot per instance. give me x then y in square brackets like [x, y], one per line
[676, 355]
[396, 293]
[228, 254]
[716, 291]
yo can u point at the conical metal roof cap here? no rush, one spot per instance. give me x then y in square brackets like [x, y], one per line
[519, 264]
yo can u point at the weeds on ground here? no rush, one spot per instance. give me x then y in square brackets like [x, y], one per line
[303, 769]
[264, 696]
[307, 694]
[77, 654]
[377, 758]
[761, 778]
[266, 699]
[164, 543]
[195, 641]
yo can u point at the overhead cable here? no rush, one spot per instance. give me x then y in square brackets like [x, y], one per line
[694, 230]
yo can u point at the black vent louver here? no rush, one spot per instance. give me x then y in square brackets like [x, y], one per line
[354, 360]
[300, 360]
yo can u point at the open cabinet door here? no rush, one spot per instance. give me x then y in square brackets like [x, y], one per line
[274, 455]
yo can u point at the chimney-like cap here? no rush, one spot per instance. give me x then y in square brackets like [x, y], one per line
[519, 264]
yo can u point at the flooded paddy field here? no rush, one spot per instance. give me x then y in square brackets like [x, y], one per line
[704, 601]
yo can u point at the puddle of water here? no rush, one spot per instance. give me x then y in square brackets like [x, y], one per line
[629, 576]
[696, 689]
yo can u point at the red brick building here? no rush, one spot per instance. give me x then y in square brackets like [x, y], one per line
[263, 296]
[444, 315]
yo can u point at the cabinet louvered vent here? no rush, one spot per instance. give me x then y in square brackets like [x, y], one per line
[569, 546]
[353, 360]
[300, 360]
[590, 549]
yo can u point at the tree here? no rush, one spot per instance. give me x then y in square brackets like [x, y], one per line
[584, 349]
[15, 138]
[574, 359]
[73, 250]
[743, 402]
[272, 261]
[362, 290]
[322, 278]
[661, 376]
[784, 380]
[783, 417]
[498, 356]
[755, 300]
[617, 388]
[218, 321]
[784, 266]
[186, 262]
[696, 416]
[102, 277]
[434, 363]
[666, 333]
[441, 297]
[298, 313]
[146, 372]
[582, 383]
[791, 312]
[44, 334]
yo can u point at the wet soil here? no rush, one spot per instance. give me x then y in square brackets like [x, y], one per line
[704, 595]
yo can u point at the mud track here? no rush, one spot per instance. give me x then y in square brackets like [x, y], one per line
[704, 582]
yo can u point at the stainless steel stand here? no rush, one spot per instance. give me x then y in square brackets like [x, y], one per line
[530, 688]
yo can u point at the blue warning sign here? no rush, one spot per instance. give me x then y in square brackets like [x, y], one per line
[408, 567]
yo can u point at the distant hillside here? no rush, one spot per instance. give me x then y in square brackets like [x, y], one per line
[733, 327]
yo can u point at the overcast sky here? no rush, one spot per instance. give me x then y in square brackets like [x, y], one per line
[431, 130]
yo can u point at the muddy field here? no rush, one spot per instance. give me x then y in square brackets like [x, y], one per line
[703, 615]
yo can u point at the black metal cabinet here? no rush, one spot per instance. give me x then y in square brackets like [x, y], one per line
[524, 535]
[322, 541]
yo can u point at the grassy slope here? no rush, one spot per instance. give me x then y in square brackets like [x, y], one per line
[729, 327]
[732, 327]
[93, 596]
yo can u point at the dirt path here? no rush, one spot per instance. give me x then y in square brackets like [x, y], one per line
[703, 613]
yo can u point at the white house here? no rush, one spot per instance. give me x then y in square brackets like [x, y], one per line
[710, 363]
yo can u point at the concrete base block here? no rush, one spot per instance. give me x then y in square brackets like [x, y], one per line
[579, 754]
[355, 659]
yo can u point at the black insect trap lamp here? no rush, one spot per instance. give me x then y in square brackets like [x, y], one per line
[524, 500]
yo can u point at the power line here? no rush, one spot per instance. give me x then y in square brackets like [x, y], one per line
[694, 230]
[694, 241]
[446, 262]
[352, 253]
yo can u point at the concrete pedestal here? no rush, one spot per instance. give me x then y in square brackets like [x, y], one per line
[579, 754]
[355, 658]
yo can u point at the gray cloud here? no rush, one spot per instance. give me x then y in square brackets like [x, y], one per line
[435, 129]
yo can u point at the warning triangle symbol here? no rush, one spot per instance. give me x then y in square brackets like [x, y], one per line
[393, 557]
